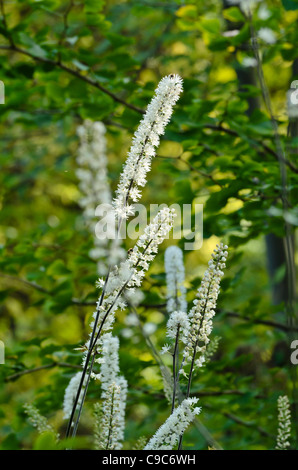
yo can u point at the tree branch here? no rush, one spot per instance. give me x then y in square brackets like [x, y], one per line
[73, 72]
[241, 422]
[15, 376]
[256, 143]
[272, 324]
[42, 289]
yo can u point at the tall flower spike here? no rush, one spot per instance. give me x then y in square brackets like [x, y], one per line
[92, 166]
[38, 421]
[122, 383]
[107, 426]
[109, 377]
[176, 301]
[95, 188]
[245, 5]
[167, 436]
[284, 423]
[203, 310]
[145, 140]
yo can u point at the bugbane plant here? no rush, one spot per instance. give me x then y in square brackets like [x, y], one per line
[167, 436]
[145, 141]
[201, 318]
[178, 323]
[92, 166]
[246, 5]
[95, 189]
[203, 310]
[129, 274]
[107, 424]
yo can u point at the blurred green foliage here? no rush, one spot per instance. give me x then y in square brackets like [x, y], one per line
[65, 61]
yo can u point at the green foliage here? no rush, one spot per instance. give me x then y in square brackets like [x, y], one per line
[62, 62]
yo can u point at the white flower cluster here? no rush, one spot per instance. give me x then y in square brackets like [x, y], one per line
[112, 381]
[37, 420]
[70, 394]
[203, 310]
[212, 348]
[145, 140]
[107, 428]
[146, 247]
[176, 294]
[94, 185]
[167, 436]
[284, 423]
[92, 161]
[140, 443]
[178, 319]
[292, 103]
[263, 12]
[267, 35]
[109, 360]
[122, 384]
[245, 5]
[175, 278]
[131, 272]
[134, 297]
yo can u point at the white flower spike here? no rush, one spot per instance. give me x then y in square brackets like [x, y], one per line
[145, 140]
[167, 436]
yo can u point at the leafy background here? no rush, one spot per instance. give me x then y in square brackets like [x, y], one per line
[63, 62]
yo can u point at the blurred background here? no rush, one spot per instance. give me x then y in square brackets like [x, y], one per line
[231, 146]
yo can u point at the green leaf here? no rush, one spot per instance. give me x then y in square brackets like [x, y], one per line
[57, 269]
[290, 4]
[233, 14]
[46, 441]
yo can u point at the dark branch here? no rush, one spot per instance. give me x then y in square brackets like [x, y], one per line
[73, 72]
[17, 375]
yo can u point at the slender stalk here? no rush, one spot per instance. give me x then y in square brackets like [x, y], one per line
[83, 398]
[201, 428]
[287, 239]
[175, 365]
[73, 72]
[111, 420]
